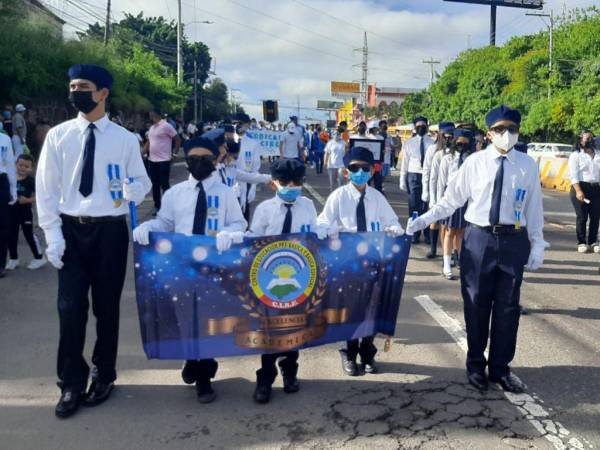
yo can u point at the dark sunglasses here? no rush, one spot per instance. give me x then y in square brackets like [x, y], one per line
[356, 167]
[502, 128]
[210, 158]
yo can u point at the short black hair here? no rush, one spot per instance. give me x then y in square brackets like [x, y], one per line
[25, 157]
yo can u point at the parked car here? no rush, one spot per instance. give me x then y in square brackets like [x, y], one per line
[538, 149]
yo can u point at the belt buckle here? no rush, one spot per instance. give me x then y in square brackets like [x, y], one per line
[496, 229]
[83, 220]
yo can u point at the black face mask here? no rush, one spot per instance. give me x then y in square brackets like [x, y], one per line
[200, 166]
[462, 148]
[82, 101]
[362, 130]
[421, 130]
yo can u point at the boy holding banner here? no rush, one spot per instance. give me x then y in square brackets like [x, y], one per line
[200, 205]
[287, 212]
[355, 208]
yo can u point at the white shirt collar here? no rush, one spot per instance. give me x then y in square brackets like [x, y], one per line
[493, 153]
[207, 183]
[355, 193]
[83, 123]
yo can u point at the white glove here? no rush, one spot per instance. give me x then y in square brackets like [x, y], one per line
[133, 191]
[402, 183]
[536, 257]
[236, 189]
[394, 230]
[414, 225]
[141, 234]
[266, 178]
[321, 232]
[425, 197]
[56, 247]
[333, 232]
[226, 238]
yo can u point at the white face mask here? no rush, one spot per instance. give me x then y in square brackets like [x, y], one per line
[506, 140]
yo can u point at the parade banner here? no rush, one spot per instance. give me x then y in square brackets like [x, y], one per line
[268, 140]
[267, 295]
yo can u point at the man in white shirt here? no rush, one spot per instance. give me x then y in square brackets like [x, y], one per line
[291, 142]
[8, 194]
[19, 129]
[411, 171]
[200, 205]
[504, 236]
[356, 208]
[334, 158]
[89, 168]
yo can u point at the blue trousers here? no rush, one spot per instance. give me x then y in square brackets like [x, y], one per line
[491, 275]
[414, 185]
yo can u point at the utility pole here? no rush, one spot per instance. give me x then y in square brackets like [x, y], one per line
[431, 63]
[179, 49]
[195, 92]
[550, 47]
[364, 87]
[298, 105]
[107, 23]
[493, 25]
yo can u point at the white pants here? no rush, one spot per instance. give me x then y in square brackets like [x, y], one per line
[17, 146]
[335, 173]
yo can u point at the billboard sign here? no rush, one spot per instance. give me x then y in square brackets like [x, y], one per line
[325, 104]
[345, 89]
[529, 4]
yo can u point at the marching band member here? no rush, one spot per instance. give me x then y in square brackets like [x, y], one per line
[82, 191]
[185, 209]
[351, 208]
[287, 212]
[504, 236]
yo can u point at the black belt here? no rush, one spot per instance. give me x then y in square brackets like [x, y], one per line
[84, 220]
[591, 184]
[501, 229]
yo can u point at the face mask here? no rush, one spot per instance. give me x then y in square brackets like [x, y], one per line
[587, 143]
[462, 148]
[362, 130]
[506, 140]
[289, 194]
[340, 130]
[360, 178]
[200, 167]
[421, 130]
[82, 101]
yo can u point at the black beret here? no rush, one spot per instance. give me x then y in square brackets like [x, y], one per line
[446, 127]
[501, 113]
[288, 169]
[98, 75]
[462, 132]
[217, 135]
[242, 117]
[200, 142]
[359, 154]
[420, 119]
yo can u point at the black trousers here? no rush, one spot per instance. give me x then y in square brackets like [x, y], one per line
[159, 173]
[491, 275]
[363, 347]
[268, 372]
[21, 217]
[319, 158]
[377, 181]
[414, 184]
[585, 212]
[204, 369]
[4, 218]
[95, 258]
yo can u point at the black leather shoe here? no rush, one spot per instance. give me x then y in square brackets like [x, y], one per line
[350, 367]
[205, 392]
[188, 372]
[510, 383]
[68, 404]
[478, 381]
[370, 367]
[98, 393]
[523, 311]
[416, 240]
[290, 384]
[431, 255]
[262, 393]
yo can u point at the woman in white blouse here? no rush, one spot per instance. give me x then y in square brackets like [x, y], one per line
[584, 173]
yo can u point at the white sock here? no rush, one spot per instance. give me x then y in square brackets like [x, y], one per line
[447, 262]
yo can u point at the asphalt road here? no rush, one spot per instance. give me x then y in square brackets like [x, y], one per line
[420, 400]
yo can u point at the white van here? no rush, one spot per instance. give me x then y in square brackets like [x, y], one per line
[538, 149]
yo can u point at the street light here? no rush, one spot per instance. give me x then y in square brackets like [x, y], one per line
[208, 22]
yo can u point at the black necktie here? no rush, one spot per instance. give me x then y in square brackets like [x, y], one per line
[497, 194]
[422, 150]
[87, 173]
[361, 216]
[200, 213]
[223, 178]
[287, 222]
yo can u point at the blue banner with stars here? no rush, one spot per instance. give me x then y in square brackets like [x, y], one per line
[267, 295]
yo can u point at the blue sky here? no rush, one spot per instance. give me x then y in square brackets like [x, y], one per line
[292, 49]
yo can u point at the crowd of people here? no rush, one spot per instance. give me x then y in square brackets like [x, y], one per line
[474, 190]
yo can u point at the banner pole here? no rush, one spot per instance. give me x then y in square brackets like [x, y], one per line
[132, 211]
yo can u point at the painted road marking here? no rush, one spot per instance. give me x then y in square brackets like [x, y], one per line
[529, 405]
[315, 194]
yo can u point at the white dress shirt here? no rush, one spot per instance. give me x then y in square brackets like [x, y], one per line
[269, 217]
[234, 176]
[7, 164]
[433, 175]
[449, 166]
[249, 160]
[340, 210]
[61, 162]
[178, 208]
[474, 182]
[582, 167]
[411, 160]
[291, 143]
[429, 153]
[335, 148]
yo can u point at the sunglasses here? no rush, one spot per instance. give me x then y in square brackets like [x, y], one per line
[210, 158]
[502, 128]
[356, 167]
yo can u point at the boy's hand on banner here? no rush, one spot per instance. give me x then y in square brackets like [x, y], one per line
[394, 230]
[321, 232]
[333, 232]
[226, 238]
[414, 225]
[141, 235]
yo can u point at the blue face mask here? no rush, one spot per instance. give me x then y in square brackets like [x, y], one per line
[289, 194]
[360, 178]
